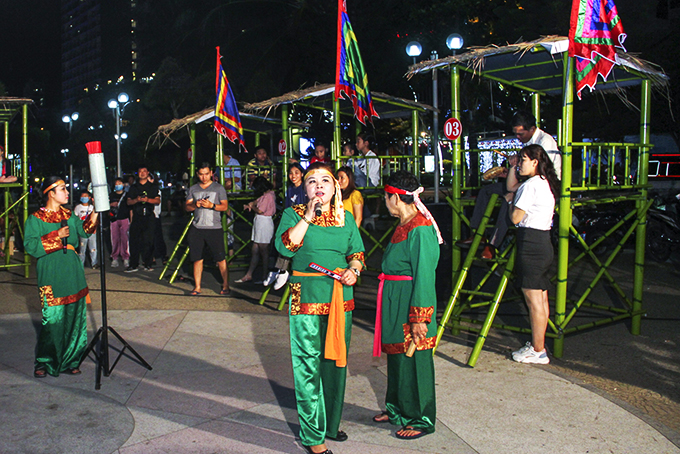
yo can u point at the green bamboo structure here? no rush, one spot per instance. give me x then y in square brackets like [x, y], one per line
[542, 68]
[11, 108]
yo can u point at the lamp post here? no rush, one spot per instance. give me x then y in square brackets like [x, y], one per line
[414, 49]
[454, 42]
[117, 106]
[69, 119]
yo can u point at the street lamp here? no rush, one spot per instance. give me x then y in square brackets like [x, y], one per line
[69, 119]
[454, 42]
[117, 107]
[414, 49]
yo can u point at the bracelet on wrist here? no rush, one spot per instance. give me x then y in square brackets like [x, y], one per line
[304, 218]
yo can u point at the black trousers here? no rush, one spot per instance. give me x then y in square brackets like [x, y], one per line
[142, 230]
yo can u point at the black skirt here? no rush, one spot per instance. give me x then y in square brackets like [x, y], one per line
[534, 257]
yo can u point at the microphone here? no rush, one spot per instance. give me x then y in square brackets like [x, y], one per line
[317, 209]
[64, 241]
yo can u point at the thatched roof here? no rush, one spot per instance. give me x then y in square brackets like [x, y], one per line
[321, 96]
[252, 123]
[9, 107]
[537, 66]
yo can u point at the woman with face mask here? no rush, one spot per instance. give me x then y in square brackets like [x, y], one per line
[120, 224]
[83, 210]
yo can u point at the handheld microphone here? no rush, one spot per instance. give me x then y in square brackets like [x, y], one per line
[317, 209]
[64, 241]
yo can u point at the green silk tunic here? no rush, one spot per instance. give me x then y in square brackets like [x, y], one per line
[63, 289]
[319, 382]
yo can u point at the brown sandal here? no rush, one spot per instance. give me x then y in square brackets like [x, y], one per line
[73, 371]
[40, 373]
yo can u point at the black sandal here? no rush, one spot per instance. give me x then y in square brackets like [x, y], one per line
[384, 413]
[340, 436]
[309, 450]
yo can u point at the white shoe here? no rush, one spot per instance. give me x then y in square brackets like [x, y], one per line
[114, 263]
[126, 263]
[281, 280]
[522, 350]
[271, 277]
[531, 356]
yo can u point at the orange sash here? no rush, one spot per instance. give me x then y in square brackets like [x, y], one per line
[335, 348]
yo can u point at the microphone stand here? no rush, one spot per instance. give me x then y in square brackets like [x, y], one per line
[99, 346]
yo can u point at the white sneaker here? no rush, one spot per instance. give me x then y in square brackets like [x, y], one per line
[114, 263]
[281, 280]
[522, 350]
[531, 356]
[126, 263]
[271, 277]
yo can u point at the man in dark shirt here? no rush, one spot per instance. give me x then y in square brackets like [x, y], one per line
[142, 197]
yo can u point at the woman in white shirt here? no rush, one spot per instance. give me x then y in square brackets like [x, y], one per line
[532, 211]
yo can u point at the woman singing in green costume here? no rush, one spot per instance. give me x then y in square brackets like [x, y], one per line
[406, 310]
[61, 280]
[321, 307]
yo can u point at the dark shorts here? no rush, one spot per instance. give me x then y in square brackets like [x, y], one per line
[534, 257]
[199, 238]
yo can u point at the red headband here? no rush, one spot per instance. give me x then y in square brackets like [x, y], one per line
[393, 190]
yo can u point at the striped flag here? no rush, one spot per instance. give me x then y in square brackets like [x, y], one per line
[595, 30]
[227, 121]
[351, 79]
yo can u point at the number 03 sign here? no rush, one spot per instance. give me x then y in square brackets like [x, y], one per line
[452, 128]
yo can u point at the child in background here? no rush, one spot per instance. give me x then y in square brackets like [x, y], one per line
[82, 210]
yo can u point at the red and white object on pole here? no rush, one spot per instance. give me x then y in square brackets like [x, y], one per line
[452, 128]
[282, 147]
[100, 190]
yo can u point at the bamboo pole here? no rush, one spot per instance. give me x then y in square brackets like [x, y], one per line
[24, 177]
[564, 203]
[641, 234]
[457, 176]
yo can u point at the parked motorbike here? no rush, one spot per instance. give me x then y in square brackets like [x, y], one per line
[663, 229]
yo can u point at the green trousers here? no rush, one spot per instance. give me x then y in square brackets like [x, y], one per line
[319, 383]
[410, 399]
[63, 337]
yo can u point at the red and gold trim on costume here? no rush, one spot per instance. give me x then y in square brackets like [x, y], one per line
[88, 225]
[316, 308]
[47, 298]
[401, 347]
[420, 314]
[51, 242]
[326, 219]
[359, 256]
[53, 217]
[288, 243]
[401, 232]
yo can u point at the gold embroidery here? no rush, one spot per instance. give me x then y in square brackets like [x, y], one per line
[401, 347]
[325, 220]
[317, 308]
[88, 225]
[420, 314]
[294, 298]
[357, 256]
[51, 242]
[288, 244]
[47, 297]
[53, 217]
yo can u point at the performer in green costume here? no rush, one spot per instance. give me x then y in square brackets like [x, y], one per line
[406, 310]
[63, 290]
[320, 306]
